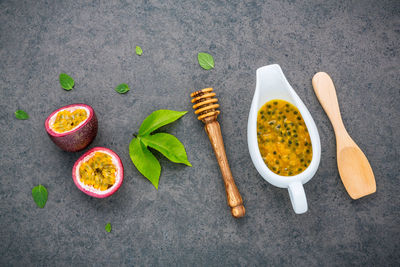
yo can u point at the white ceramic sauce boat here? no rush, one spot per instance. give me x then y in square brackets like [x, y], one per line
[272, 84]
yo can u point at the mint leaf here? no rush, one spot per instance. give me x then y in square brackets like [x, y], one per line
[39, 194]
[21, 115]
[168, 145]
[122, 88]
[139, 51]
[108, 227]
[206, 60]
[145, 161]
[158, 119]
[66, 81]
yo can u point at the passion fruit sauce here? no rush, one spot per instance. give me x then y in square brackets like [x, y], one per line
[283, 138]
[99, 171]
[67, 121]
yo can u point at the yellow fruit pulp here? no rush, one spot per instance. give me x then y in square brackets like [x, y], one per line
[99, 171]
[283, 138]
[66, 120]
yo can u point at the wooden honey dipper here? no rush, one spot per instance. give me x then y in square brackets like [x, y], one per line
[205, 105]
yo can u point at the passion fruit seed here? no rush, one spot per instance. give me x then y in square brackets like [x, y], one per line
[283, 140]
[66, 120]
[98, 171]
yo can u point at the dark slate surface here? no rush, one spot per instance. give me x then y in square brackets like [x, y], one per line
[187, 222]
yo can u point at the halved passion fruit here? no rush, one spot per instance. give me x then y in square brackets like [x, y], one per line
[98, 173]
[72, 127]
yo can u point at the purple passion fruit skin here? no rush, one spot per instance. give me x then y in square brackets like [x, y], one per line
[79, 137]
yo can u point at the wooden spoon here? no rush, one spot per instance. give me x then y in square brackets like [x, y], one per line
[353, 165]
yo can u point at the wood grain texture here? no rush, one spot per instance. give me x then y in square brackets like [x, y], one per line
[205, 106]
[354, 169]
[234, 198]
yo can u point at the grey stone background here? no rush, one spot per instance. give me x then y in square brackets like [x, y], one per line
[187, 221]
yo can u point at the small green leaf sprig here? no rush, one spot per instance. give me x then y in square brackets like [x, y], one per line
[122, 88]
[21, 114]
[39, 194]
[66, 81]
[108, 227]
[206, 61]
[167, 144]
[139, 50]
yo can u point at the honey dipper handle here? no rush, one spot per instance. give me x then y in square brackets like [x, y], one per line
[234, 198]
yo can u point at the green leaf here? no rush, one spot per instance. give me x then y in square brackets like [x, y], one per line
[206, 60]
[158, 119]
[39, 194]
[108, 227]
[168, 145]
[145, 161]
[122, 88]
[66, 81]
[21, 115]
[139, 51]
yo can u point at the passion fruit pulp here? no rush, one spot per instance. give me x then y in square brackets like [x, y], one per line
[73, 127]
[98, 173]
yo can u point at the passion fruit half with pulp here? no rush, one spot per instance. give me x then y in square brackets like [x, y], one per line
[73, 127]
[98, 173]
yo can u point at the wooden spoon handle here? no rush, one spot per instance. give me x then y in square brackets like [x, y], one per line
[234, 198]
[326, 94]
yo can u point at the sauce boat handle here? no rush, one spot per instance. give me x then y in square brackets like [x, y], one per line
[298, 197]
